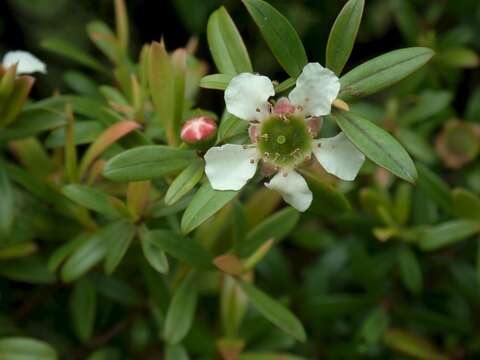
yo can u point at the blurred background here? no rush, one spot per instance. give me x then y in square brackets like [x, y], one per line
[386, 25]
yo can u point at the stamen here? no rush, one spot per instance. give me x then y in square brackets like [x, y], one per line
[252, 161]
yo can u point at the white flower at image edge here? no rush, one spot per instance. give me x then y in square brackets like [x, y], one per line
[26, 62]
[281, 135]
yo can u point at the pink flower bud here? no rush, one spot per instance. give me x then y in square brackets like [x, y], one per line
[283, 107]
[199, 129]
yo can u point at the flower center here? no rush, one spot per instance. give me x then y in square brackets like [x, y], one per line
[284, 141]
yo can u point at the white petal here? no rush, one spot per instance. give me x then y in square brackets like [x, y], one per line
[229, 167]
[294, 189]
[317, 87]
[247, 94]
[339, 156]
[27, 63]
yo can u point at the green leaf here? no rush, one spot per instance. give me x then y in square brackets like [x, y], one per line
[416, 145]
[118, 291]
[466, 204]
[7, 204]
[378, 145]
[408, 21]
[84, 132]
[216, 81]
[83, 302]
[410, 270]
[280, 36]
[231, 126]
[429, 103]
[104, 38]
[153, 253]
[23, 348]
[382, 71]
[176, 352]
[62, 252]
[94, 249]
[181, 311]
[458, 58]
[118, 248]
[147, 162]
[415, 346]
[448, 233]
[267, 356]
[73, 53]
[343, 34]
[327, 201]
[205, 203]
[184, 182]
[436, 189]
[31, 270]
[276, 227]
[226, 45]
[32, 122]
[374, 326]
[92, 199]
[182, 248]
[162, 88]
[274, 312]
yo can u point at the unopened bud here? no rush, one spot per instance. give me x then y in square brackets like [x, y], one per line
[199, 131]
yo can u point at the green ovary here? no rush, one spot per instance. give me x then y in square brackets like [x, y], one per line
[284, 142]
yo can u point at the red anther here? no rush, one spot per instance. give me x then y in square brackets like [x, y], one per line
[283, 107]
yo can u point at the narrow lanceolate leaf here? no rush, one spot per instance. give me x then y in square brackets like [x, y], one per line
[466, 204]
[343, 35]
[327, 201]
[153, 253]
[274, 311]
[118, 247]
[181, 311]
[182, 248]
[161, 78]
[410, 270]
[137, 197]
[216, 81]
[275, 227]
[108, 137]
[184, 182]
[7, 205]
[442, 235]
[231, 126]
[70, 51]
[23, 348]
[92, 250]
[147, 162]
[378, 145]
[92, 199]
[204, 204]
[436, 189]
[413, 345]
[17, 99]
[280, 36]
[226, 45]
[382, 71]
[104, 38]
[121, 22]
[83, 302]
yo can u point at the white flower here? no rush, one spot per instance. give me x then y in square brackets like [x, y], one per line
[282, 135]
[26, 62]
